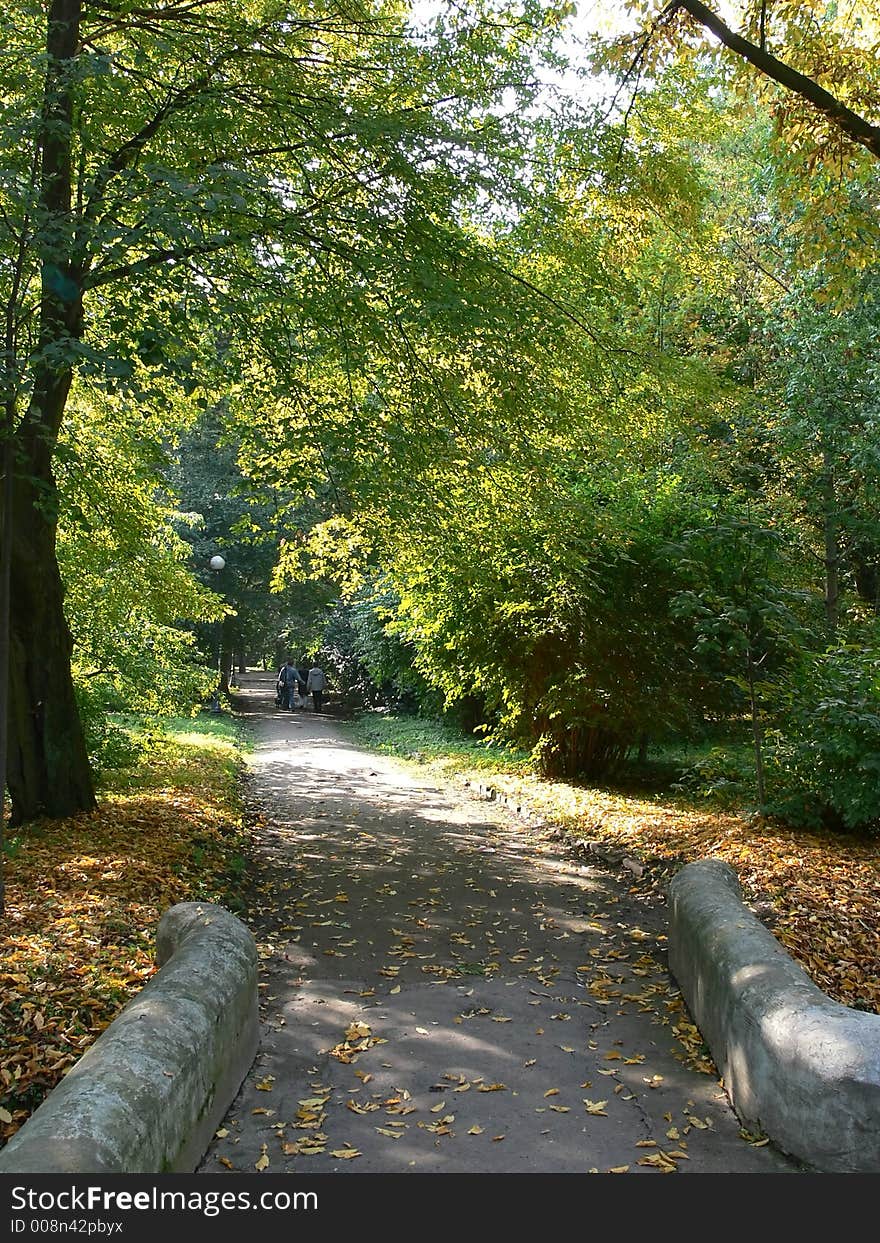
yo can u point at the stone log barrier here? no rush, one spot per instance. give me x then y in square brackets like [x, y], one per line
[798, 1067]
[148, 1095]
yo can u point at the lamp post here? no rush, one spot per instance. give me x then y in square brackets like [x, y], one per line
[217, 564]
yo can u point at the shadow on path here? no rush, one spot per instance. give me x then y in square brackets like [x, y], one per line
[444, 989]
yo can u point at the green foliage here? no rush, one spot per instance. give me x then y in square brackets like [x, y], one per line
[111, 745]
[130, 591]
[725, 775]
[548, 596]
[373, 662]
[824, 753]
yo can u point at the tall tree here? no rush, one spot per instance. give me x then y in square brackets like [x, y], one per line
[145, 144]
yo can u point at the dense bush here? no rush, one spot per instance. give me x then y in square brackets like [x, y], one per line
[726, 775]
[110, 746]
[823, 759]
[370, 666]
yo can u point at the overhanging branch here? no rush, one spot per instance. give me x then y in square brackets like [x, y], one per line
[847, 121]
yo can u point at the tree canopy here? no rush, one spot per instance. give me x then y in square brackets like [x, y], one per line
[553, 411]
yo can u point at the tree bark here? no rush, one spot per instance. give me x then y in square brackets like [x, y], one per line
[757, 732]
[831, 558]
[48, 767]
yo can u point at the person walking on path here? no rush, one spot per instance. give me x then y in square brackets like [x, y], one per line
[315, 686]
[288, 679]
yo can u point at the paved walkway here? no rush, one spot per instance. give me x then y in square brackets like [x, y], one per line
[444, 989]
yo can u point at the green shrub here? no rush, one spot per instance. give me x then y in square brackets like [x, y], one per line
[823, 756]
[726, 775]
[109, 744]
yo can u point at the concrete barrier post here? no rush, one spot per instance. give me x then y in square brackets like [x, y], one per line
[148, 1095]
[797, 1066]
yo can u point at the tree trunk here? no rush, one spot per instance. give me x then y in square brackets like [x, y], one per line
[832, 547]
[865, 563]
[757, 733]
[48, 767]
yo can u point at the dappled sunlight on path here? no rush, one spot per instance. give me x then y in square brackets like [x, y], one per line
[445, 989]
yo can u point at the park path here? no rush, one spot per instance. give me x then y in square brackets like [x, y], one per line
[445, 989]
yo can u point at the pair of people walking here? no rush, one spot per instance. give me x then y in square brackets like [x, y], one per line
[292, 688]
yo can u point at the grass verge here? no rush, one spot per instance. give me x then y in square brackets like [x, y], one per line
[444, 746]
[84, 897]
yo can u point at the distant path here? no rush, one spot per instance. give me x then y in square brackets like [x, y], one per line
[504, 985]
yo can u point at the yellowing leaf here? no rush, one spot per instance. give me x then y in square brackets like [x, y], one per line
[658, 1161]
[475, 1130]
[357, 1108]
[596, 1107]
[345, 1154]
